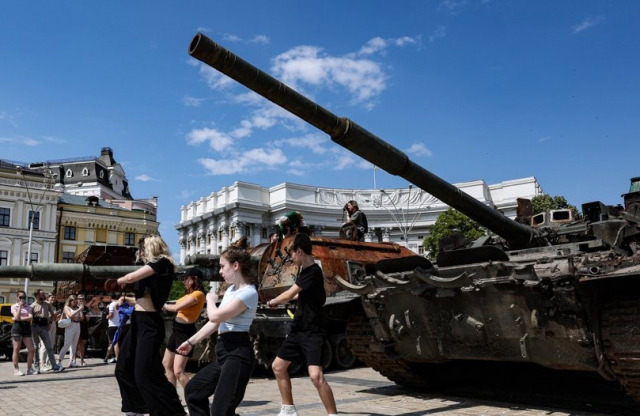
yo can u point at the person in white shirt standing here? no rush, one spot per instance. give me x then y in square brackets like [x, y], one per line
[113, 319]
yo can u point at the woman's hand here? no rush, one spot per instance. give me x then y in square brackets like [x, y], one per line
[212, 298]
[184, 348]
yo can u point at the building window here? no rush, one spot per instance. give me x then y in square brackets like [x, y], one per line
[129, 239]
[263, 233]
[4, 257]
[101, 235]
[5, 217]
[36, 219]
[85, 172]
[101, 174]
[69, 173]
[233, 233]
[247, 230]
[67, 256]
[34, 258]
[69, 233]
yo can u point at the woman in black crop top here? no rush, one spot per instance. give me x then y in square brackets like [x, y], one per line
[139, 372]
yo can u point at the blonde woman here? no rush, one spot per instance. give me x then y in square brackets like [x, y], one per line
[139, 372]
[72, 311]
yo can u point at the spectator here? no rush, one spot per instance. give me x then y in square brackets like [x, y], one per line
[273, 238]
[356, 225]
[21, 333]
[43, 315]
[187, 309]
[84, 329]
[72, 311]
[113, 321]
[289, 223]
[124, 311]
[307, 331]
[45, 363]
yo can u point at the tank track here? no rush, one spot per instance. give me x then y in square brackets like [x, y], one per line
[620, 329]
[369, 350]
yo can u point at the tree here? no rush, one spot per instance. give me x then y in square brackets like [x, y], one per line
[544, 203]
[447, 223]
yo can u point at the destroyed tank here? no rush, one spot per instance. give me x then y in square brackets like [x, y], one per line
[549, 290]
[340, 260]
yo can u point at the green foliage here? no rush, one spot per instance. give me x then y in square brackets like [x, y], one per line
[544, 202]
[177, 290]
[448, 222]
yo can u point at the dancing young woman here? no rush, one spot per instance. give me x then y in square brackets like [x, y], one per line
[226, 378]
[139, 372]
[188, 310]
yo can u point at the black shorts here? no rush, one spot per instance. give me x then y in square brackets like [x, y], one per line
[180, 333]
[111, 332]
[302, 344]
[21, 329]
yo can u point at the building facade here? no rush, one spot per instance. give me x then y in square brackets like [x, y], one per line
[76, 203]
[403, 215]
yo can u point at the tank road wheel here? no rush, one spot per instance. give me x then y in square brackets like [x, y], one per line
[370, 351]
[621, 342]
[265, 350]
[327, 355]
[342, 355]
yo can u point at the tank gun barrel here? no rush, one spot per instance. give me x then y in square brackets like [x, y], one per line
[356, 139]
[64, 272]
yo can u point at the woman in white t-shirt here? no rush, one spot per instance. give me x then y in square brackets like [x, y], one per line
[229, 375]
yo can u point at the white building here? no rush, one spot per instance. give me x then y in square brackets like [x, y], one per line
[404, 215]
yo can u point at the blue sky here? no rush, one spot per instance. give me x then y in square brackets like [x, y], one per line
[475, 89]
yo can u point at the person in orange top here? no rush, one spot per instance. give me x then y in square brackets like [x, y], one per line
[187, 310]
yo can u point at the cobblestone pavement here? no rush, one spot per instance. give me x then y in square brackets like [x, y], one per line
[92, 390]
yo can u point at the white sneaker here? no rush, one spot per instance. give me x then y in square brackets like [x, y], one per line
[288, 410]
[32, 371]
[18, 373]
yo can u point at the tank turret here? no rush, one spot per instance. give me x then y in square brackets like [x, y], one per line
[553, 290]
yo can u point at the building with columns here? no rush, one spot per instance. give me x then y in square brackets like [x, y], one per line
[403, 215]
[78, 203]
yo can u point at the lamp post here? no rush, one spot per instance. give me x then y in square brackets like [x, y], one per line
[405, 223]
[35, 209]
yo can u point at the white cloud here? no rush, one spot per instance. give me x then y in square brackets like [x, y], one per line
[214, 79]
[587, 23]
[27, 141]
[192, 101]
[363, 78]
[419, 149]
[260, 39]
[315, 143]
[228, 37]
[217, 140]
[254, 160]
[145, 178]
[440, 32]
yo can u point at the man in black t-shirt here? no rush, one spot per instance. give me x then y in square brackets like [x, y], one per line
[307, 331]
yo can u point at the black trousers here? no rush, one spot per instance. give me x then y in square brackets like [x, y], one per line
[226, 379]
[143, 386]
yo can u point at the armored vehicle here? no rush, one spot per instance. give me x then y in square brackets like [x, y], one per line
[340, 260]
[550, 290]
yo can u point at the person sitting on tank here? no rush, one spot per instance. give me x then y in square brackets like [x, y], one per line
[289, 223]
[356, 226]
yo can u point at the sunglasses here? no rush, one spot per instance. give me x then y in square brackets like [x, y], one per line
[22, 297]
